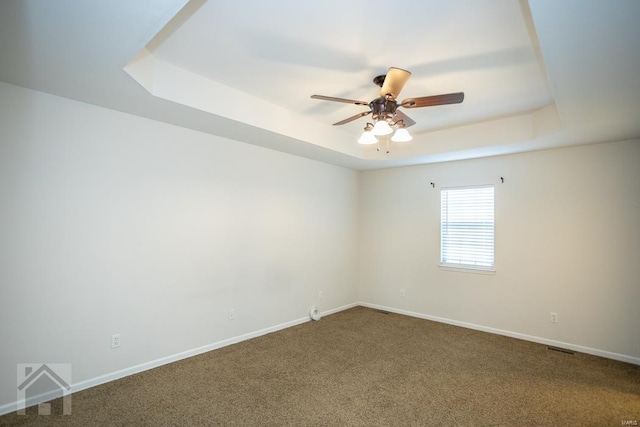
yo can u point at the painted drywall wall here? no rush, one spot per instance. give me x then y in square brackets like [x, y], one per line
[567, 241]
[112, 223]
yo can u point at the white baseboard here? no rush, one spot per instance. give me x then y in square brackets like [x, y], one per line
[83, 385]
[339, 309]
[103, 379]
[539, 340]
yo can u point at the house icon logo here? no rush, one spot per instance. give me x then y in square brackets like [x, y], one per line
[40, 383]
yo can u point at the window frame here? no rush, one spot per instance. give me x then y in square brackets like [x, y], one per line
[467, 267]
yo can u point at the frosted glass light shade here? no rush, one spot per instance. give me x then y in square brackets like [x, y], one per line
[402, 135]
[367, 138]
[382, 128]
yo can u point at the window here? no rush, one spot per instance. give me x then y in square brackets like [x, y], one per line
[467, 228]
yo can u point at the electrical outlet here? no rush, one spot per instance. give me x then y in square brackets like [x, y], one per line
[231, 315]
[320, 295]
[403, 293]
[554, 317]
[115, 340]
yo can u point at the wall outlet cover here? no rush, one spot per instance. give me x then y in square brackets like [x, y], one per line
[115, 340]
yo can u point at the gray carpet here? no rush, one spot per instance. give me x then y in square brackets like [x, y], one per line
[362, 367]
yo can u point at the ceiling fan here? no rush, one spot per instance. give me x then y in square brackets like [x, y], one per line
[384, 109]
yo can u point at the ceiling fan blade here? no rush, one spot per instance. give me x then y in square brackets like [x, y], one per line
[406, 120]
[332, 98]
[429, 101]
[394, 82]
[352, 118]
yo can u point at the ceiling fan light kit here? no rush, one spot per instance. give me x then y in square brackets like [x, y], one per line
[384, 109]
[367, 137]
[402, 135]
[382, 128]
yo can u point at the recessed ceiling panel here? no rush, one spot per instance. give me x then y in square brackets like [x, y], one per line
[284, 51]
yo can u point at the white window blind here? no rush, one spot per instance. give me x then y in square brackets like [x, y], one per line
[467, 228]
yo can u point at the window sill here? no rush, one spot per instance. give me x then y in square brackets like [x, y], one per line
[456, 269]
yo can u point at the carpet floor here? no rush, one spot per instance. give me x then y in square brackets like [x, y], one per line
[364, 367]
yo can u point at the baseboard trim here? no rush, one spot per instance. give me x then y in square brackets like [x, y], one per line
[539, 340]
[103, 379]
[339, 309]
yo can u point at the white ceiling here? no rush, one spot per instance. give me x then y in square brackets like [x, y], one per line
[536, 74]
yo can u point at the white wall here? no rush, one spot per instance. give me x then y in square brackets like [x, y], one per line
[111, 223]
[567, 241]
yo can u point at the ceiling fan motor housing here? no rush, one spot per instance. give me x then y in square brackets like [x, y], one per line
[383, 108]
